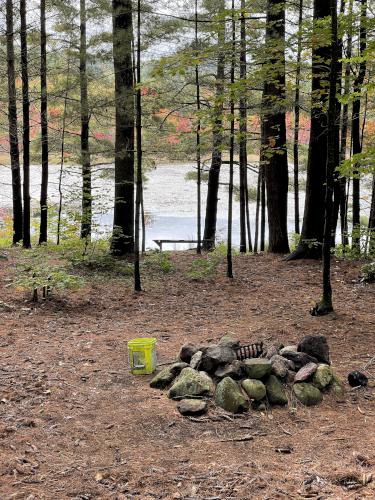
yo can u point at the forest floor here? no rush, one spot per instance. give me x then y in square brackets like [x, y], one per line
[74, 423]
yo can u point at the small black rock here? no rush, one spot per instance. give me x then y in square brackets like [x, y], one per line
[357, 379]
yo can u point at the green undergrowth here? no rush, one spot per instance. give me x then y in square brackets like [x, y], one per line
[206, 267]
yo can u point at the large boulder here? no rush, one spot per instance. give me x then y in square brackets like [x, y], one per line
[229, 396]
[192, 407]
[272, 351]
[195, 359]
[257, 368]
[233, 370]
[187, 351]
[316, 346]
[191, 384]
[164, 378]
[280, 366]
[306, 372]
[275, 391]
[323, 376]
[307, 394]
[215, 356]
[229, 341]
[288, 348]
[299, 359]
[255, 389]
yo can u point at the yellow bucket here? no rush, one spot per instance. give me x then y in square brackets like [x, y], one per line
[142, 356]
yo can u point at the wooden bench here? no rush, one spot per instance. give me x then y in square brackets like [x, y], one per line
[161, 242]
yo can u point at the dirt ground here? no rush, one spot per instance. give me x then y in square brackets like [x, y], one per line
[74, 423]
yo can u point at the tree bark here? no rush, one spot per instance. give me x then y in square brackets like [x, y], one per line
[26, 127]
[344, 133]
[243, 132]
[356, 128]
[297, 121]
[85, 124]
[325, 306]
[138, 200]
[43, 231]
[273, 152]
[198, 138]
[209, 234]
[231, 152]
[123, 222]
[13, 128]
[371, 223]
[310, 245]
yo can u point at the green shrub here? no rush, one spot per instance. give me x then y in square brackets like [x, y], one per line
[206, 267]
[368, 272]
[158, 262]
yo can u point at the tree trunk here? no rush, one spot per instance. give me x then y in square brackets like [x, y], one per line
[198, 137]
[123, 222]
[231, 152]
[217, 142]
[356, 128]
[310, 245]
[262, 211]
[296, 121]
[371, 223]
[243, 132]
[344, 133]
[138, 199]
[85, 122]
[44, 125]
[13, 128]
[325, 306]
[273, 152]
[257, 209]
[26, 127]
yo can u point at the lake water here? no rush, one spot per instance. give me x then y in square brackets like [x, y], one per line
[170, 200]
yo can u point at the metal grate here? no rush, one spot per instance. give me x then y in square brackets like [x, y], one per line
[249, 351]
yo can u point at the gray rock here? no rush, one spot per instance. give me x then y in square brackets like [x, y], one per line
[299, 359]
[337, 387]
[192, 407]
[233, 370]
[316, 346]
[307, 394]
[323, 376]
[257, 368]
[275, 391]
[255, 389]
[280, 366]
[288, 348]
[177, 368]
[291, 375]
[162, 379]
[215, 356]
[272, 351]
[229, 341]
[306, 372]
[187, 351]
[205, 376]
[190, 384]
[291, 365]
[229, 396]
[195, 360]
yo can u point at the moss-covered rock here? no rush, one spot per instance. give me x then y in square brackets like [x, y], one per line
[255, 389]
[275, 391]
[307, 394]
[229, 396]
[257, 368]
[323, 376]
[190, 384]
